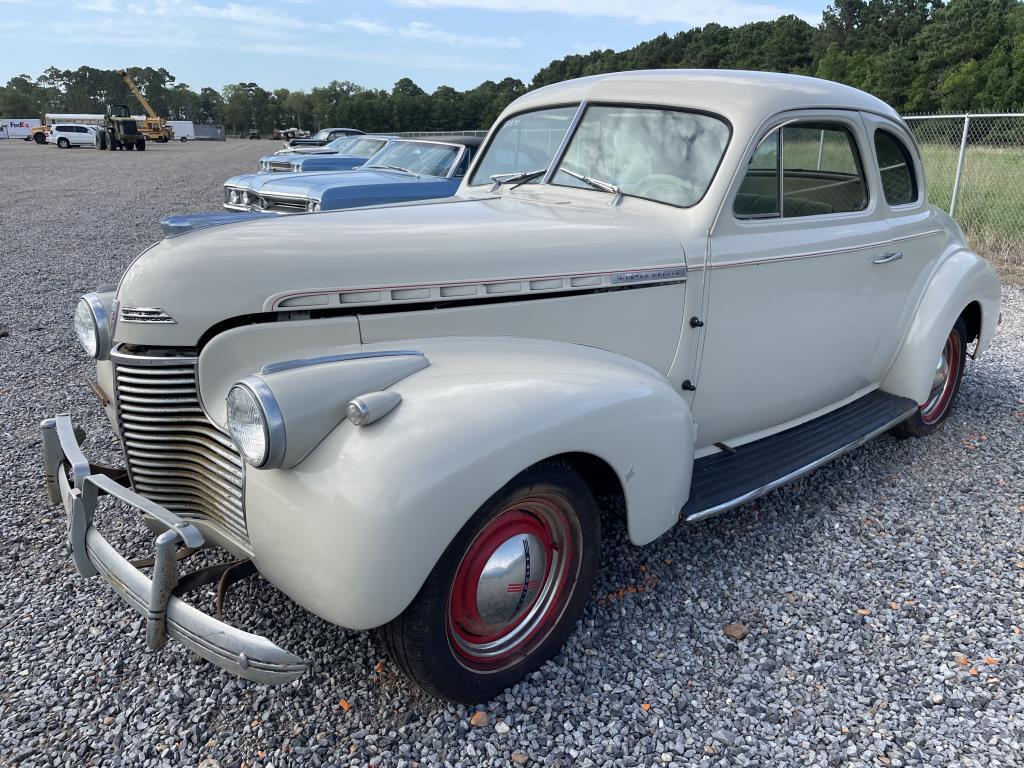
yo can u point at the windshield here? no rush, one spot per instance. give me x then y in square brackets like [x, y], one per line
[668, 156]
[524, 143]
[364, 147]
[340, 143]
[322, 135]
[419, 157]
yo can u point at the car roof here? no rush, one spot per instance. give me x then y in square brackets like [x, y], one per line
[739, 96]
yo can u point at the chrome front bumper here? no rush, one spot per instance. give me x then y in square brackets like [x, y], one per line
[239, 652]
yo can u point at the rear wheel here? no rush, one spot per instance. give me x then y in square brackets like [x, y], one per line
[140, 145]
[129, 146]
[945, 386]
[506, 593]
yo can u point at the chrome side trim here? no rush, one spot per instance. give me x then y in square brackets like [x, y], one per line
[288, 365]
[463, 290]
[718, 509]
[827, 252]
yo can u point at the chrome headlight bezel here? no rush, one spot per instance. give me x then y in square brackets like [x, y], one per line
[98, 347]
[312, 206]
[270, 421]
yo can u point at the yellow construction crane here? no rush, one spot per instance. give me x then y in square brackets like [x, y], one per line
[154, 127]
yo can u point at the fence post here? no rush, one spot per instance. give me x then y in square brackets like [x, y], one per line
[959, 164]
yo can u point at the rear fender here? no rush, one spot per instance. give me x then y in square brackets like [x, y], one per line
[961, 278]
[352, 531]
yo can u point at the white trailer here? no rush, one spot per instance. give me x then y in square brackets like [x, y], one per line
[17, 128]
[184, 130]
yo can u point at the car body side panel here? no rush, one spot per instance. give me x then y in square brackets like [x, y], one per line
[371, 509]
[961, 277]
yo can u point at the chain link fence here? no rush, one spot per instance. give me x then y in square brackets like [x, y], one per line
[974, 166]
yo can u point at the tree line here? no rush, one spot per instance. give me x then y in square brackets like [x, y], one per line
[918, 55]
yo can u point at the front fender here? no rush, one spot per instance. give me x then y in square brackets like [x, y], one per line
[961, 278]
[352, 532]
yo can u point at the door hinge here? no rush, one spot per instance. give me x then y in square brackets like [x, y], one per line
[688, 386]
[696, 322]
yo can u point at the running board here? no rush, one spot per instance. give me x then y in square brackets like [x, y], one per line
[725, 480]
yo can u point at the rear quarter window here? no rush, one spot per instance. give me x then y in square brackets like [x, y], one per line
[896, 168]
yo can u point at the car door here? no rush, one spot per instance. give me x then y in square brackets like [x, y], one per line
[901, 273]
[791, 321]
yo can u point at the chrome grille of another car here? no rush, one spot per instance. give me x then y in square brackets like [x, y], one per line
[175, 456]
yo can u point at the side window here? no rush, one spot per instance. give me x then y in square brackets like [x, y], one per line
[821, 171]
[803, 169]
[896, 167]
[758, 196]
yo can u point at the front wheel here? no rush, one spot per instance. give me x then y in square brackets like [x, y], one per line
[63, 143]
[507, 591]
[945, 386]
[140, 145]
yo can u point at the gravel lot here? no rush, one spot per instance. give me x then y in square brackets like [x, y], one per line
[883, 594]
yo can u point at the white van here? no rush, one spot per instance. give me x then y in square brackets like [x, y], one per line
[184, 130]
[66, 135]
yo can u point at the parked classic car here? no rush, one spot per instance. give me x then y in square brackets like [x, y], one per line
[679, 288]
[324, 136]
[346, 154]
[406, 170]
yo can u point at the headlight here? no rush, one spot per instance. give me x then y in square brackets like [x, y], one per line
[255, 423]
[312, 206]
[243, 198]
[91, 326]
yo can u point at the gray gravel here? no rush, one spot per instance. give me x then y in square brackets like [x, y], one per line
[883, 594]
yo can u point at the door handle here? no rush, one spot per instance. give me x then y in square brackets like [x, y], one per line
[887, 258]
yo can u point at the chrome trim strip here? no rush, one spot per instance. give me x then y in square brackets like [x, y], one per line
[816, 254]
[696, 517]
[616, 278]
[289, 365]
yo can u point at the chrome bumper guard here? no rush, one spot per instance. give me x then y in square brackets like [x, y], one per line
[241, 653]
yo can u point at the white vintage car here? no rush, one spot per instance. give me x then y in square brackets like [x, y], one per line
[681, 288]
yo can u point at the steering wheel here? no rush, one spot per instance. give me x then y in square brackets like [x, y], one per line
[664, 186]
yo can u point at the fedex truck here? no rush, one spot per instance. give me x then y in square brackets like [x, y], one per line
[16, 127]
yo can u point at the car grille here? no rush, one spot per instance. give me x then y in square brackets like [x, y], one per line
[175, 455]
[289, 204]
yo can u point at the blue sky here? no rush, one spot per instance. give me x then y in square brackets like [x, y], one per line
[301, 43]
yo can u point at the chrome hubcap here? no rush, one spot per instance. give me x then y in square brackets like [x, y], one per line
[944, 381]
[511, 580]
[514, 582]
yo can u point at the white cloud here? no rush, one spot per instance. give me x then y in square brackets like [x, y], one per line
[365, 25]
[683, 12]
[421, 30]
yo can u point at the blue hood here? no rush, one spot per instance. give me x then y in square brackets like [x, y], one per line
[325, 162]
[313, 185]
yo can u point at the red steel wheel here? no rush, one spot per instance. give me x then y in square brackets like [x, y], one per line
[508, 590]
[944, 383]
[513, 582]
[949, 371]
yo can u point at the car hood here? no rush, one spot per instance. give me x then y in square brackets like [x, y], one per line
[212, 275]
[313, 185]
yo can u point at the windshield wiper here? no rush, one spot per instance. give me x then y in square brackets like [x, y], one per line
[517, 178]
[604, 186]
[395, 168]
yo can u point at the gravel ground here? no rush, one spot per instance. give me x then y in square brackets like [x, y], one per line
[883, 594]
